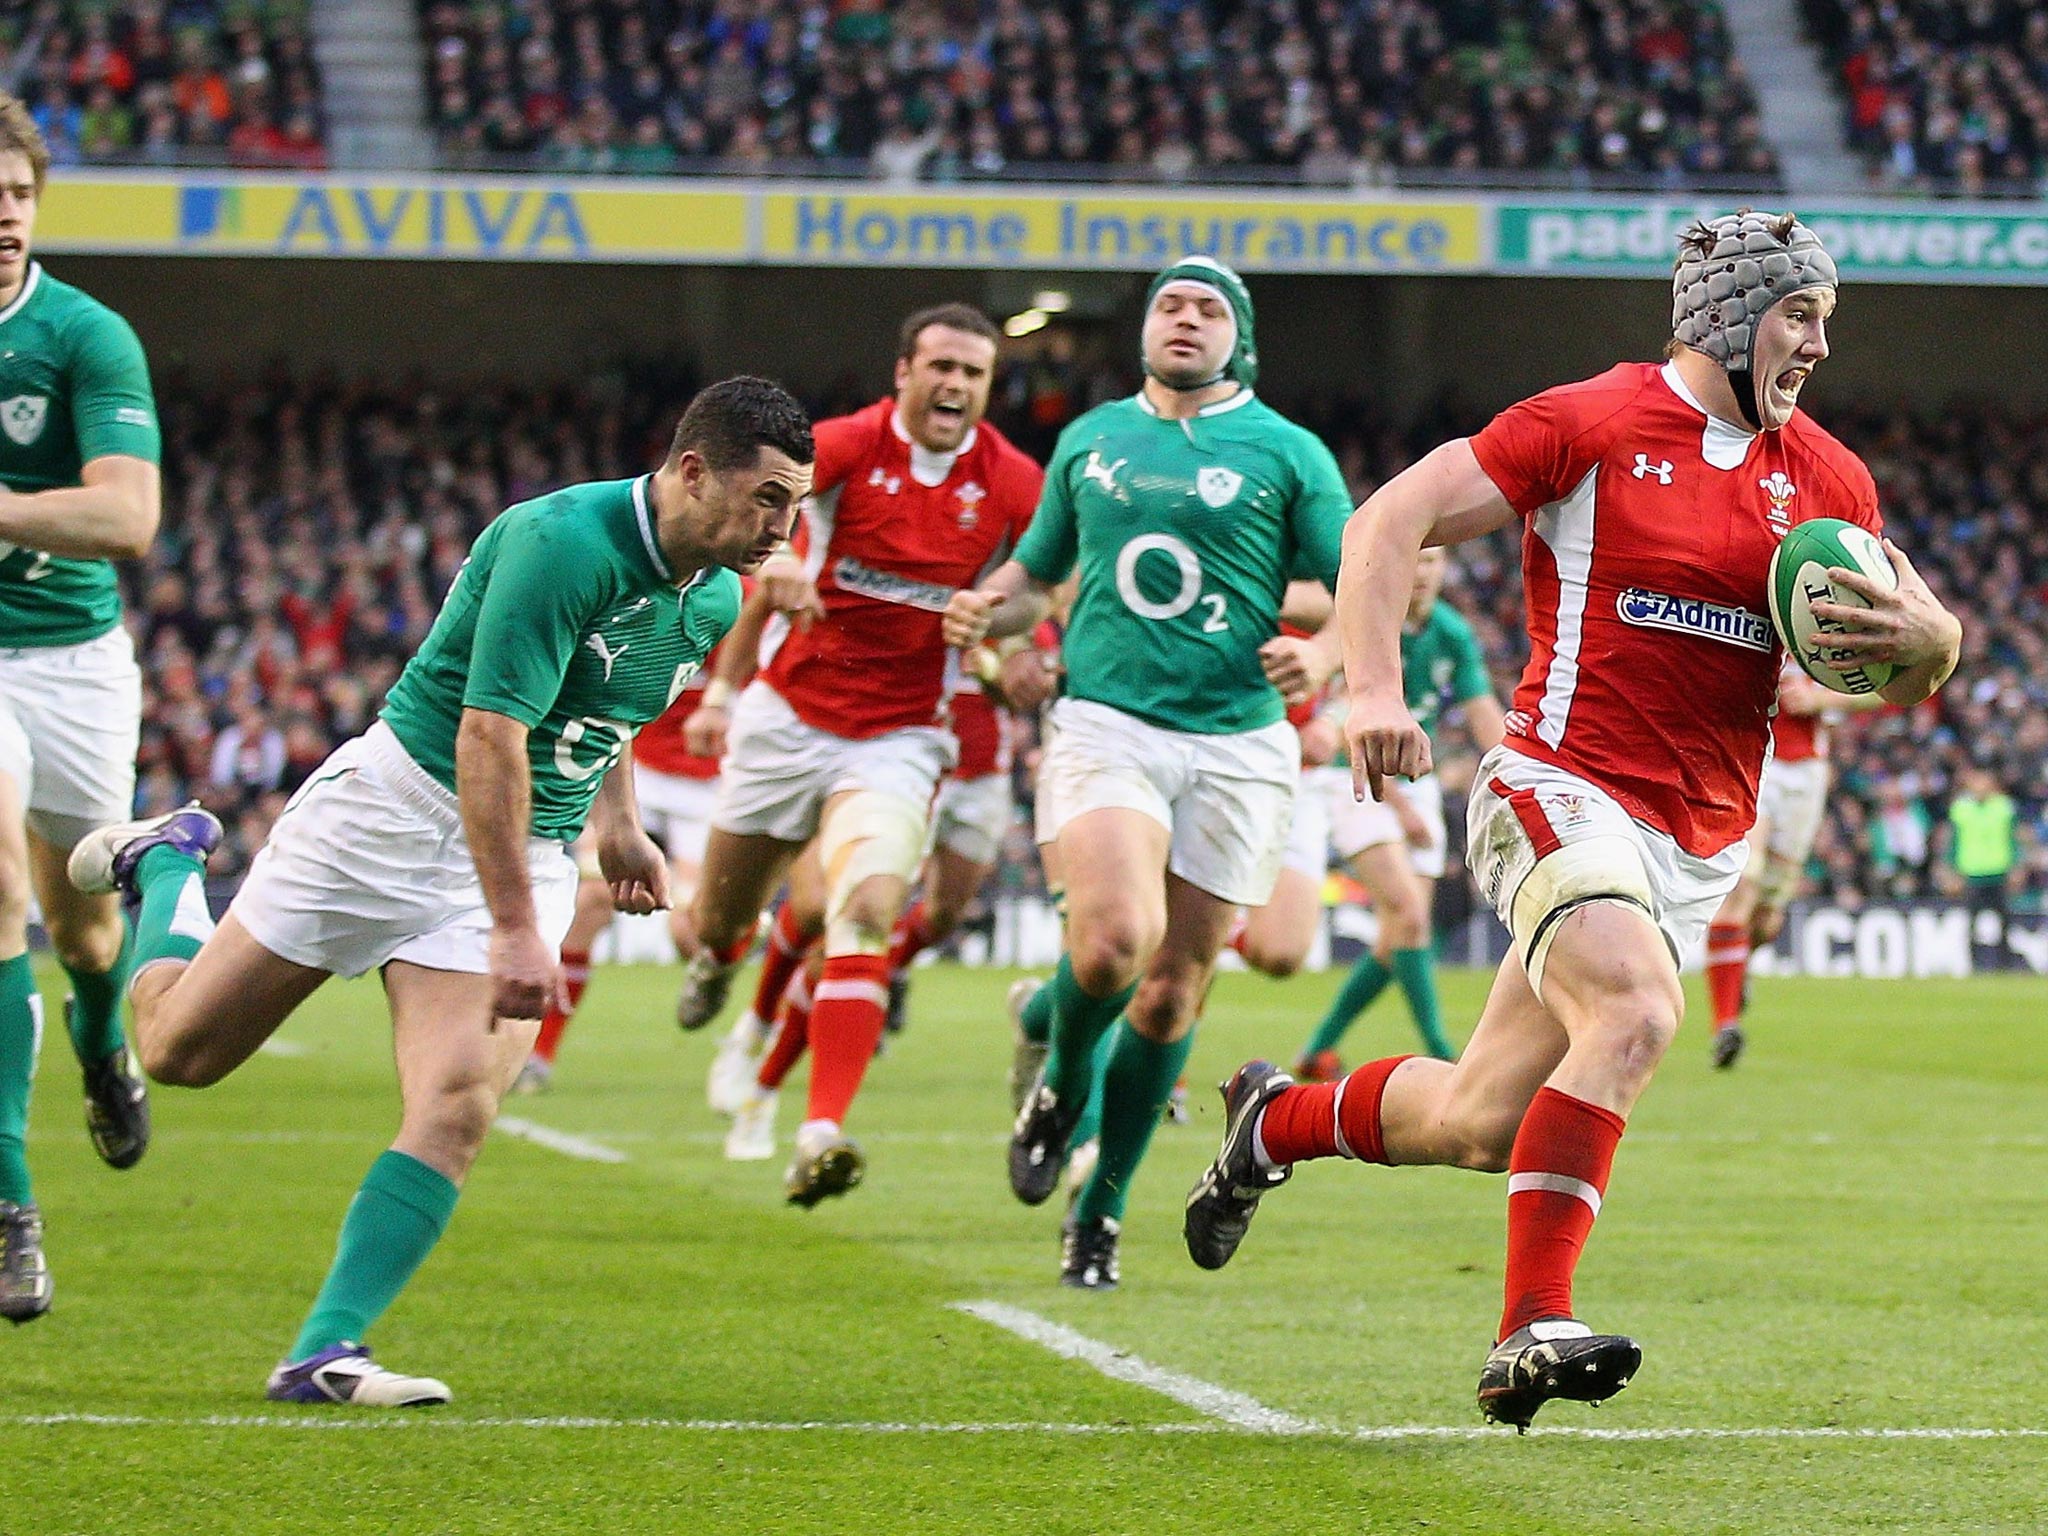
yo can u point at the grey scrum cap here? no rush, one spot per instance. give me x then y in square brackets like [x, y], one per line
[1731, 269]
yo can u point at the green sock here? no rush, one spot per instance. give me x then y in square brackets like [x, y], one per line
[1036, 1019]
[1368, 979]
[95, 1016]
[1091, 1117]
[174, 920]
[21, 1036]
[1135, 1089]
[1416, 970]
[392, 1225]
[1079, 1022]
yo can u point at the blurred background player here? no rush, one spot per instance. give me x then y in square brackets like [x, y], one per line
[842, 736]
[1791, 804]
[1395, 846]
[1608, 826]
[78, 460]
[432, 847]
[676, 786]
[1167, 787]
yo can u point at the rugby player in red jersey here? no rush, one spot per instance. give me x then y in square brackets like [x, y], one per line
[842, 737]
[1609, 825]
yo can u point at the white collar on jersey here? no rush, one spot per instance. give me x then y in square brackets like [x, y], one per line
[1243, 397]
[645, 515]
[1724, 445]
[926, 467]
[28, 286]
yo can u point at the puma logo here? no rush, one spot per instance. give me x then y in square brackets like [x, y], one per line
[1096, 470]
[605, 653]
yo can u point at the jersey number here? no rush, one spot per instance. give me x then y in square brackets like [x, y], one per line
[37, 568]
[608, 736]
[1190, 591]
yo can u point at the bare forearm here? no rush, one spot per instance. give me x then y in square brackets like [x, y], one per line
[494, 787]
[1025, 601]
[616, 810]
[1381, 544]
[87, 522]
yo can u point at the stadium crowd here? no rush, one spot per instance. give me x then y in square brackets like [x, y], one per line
[1328, 91]
[310, 529]
[1946, 96]
[167, 81]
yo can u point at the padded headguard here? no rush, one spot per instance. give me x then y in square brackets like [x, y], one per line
[1731, 269]
[1243, 362]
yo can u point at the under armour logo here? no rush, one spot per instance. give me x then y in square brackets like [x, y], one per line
[890, 483]
[1644, 469]
[605, 653]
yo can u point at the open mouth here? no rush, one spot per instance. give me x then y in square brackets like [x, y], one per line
[1790, 380]
[10, 248]
[948, 410]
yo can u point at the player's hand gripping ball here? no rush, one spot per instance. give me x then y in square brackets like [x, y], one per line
[1799, 579]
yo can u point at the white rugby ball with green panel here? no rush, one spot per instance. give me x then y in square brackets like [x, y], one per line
[1799, 579]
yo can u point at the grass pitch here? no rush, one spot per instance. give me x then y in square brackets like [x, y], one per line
[1835, 1257]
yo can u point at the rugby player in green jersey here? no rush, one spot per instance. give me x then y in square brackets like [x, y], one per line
[434, 847]
[1165, 792]
[1396, 846]
[78, 489]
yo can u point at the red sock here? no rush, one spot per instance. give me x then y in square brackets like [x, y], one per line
[1557, 1174]
[1727, 961]
[909, 939]
[576, 972]
[550, 1038]
[787, 946]
[1309, 1119]
[792, 1034]
[846, 1021]
[1240, 925]
[736, 951]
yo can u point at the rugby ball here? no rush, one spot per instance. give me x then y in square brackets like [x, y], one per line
[1799, 579]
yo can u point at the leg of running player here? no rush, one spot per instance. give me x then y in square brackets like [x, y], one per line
[594, 913]
[24, 1277]
[1142, 1069]
[868, 844]
[952, 879]
[741, 871]
[731, 1085]
[751, 1138]
[92, 944]
[1401, 952]
[1729, 941]
[455, 1063]
[1278, 936]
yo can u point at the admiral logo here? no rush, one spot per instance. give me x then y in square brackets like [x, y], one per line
[1694, 616]
[888, 587]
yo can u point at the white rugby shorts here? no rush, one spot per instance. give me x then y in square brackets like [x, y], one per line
[1523, 810]
[1226, 800]
[676, 811]
[971, 816]
[70, 722]
[779, 771]
[368, 863]
[1356, 825]
[1793, 798]
[1308, 833]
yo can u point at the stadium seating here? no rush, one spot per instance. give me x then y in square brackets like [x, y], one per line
[169, 81]
[1948, 96]
[310, 530]
[1640, 92]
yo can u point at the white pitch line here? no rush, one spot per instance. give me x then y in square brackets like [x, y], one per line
[427, 1420]
[1233, 1408]
[560, 1141]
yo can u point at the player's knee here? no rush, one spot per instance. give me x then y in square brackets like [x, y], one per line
[1107, 956]
[1404, 924]
[1165, 1007]
[1483, 1153]
[178, 1058]
[455, 1119]
[1278, 960]
[91, 946]
[1633, 1026]
[13, 914]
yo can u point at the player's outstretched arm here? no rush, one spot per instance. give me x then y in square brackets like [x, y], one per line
[494, 787]
[112, 515]
[1011, 601]
[1905, 625]
[631, 862]
[1443, 498]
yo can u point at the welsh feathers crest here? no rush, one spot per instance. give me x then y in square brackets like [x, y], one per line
[23, 417]
[1776, 486]
[1218, 487]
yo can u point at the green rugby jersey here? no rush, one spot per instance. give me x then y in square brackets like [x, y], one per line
[1441, 663]
[74, 387]
[567, 618]
[1186, 534]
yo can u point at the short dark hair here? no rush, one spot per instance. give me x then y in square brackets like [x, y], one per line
[18, 131]
[729, 424]
[955, 317]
